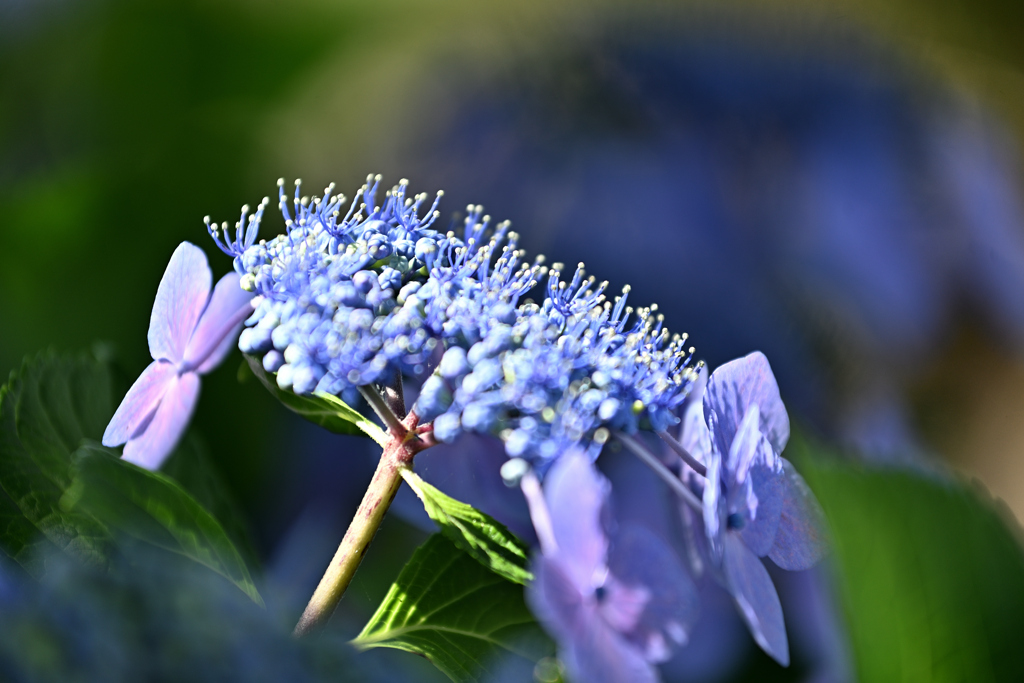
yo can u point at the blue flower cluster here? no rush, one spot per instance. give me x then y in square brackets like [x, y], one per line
[344, 300]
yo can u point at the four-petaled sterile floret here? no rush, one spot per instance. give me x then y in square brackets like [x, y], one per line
[341, 301]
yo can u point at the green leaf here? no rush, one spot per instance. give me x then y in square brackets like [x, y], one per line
[326, 410]
[486, 539]
[20, 539]
[458, 614]
[154, 508]
[931, 574]
[47, 408]
[191, 467]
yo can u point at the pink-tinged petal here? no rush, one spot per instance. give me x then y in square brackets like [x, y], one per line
[150, 448]
[642, 566]
[736, 386]
[180, 300]
[555, 599]
[600, 654]
[754, 593]
[575, 493]
[589, 647]
[140, 402]
[219, 325]
[800, 542]
[622, 605]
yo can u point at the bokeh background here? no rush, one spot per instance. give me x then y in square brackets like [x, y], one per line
[837, 184]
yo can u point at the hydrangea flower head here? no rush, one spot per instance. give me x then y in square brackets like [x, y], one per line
[347, 299]
[191, 330]
[754, 502]
[617, 607]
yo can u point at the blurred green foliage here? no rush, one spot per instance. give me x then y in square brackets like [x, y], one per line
[930, 572]
[121, 125]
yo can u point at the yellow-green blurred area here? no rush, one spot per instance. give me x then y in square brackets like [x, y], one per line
[837, 184]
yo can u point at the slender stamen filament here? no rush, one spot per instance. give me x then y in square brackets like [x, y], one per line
[539, 512]
[695, 464]
[652, 461]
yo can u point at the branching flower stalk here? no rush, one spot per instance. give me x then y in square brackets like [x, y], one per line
[402, 446]
[344, 305]
[347, 301]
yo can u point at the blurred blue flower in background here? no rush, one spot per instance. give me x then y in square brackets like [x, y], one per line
[839, 217]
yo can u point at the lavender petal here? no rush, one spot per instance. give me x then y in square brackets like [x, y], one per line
[736, 386]
[575, 492]
[140, 402]
[152, 446]
[589, 647]
[180, 299]
[638, 558]
[800, 542]
[754, 593]
[218, 327]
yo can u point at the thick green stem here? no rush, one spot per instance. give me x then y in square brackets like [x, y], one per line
[396, 456]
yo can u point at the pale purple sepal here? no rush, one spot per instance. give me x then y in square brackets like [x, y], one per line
[649, 573]
[714, 511]
[140, 402]
[180, 300]
[611, 616]
[755, 596]
[591, 649]
[694, 435]
[736, 386]
[753, 483]
[218, 327]
[575, 493]
[800, 542]
[759, 532]
[151, 447]
[190, 332]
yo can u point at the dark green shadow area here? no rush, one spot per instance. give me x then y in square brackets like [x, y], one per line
[121, 125]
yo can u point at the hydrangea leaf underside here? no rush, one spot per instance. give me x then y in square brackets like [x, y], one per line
[47, 409]
[153, 508]
[461, 616]
[487, 540]
[323, 409]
